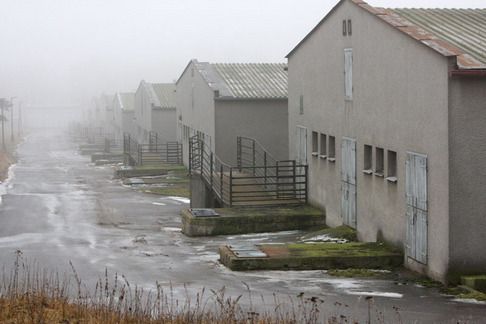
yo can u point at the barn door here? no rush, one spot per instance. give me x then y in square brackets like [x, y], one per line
[301, 143]
[348, 182]
[417, 209]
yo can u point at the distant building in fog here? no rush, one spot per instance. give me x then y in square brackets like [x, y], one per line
[123, 113]
[222, 101]
[155, 111]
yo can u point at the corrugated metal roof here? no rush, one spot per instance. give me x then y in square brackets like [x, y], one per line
[127, 101]
[165, 93]
[462, 28]
[253, 80]
[450, 32]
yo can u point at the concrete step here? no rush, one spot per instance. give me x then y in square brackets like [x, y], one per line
[315, 256]
[476, 282]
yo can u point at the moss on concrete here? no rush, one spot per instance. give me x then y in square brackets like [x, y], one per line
[169, 191]
[252, 220]
[463, 292]
[316, 256]
[333, 249]
[150, 170]
[477, 295]
[477, 282]
[357, 273]
[175, 183]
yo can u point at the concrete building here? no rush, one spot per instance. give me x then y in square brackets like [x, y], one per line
[102, 113]
[155, 112]
[388, 108]
[123, 114]
[223, 101]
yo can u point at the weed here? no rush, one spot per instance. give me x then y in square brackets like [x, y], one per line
[29, 294]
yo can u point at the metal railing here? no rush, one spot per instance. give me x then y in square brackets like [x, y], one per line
[170, 153]
[152, 153]
[249, 184]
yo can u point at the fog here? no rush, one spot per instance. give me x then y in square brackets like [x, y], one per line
[58, 52]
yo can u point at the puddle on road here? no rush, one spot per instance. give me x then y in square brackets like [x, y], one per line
[469, 301]
[375, 294]
[180, 199]
[172, 229]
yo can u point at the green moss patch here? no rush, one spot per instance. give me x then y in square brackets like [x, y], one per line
[461, 292]
[169, 191]
[175, 183]
[332, 249]
[475, 282]
[358, 273]
[477, 295]
[324, 256]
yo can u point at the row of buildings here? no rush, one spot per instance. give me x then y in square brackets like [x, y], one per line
[387, 108]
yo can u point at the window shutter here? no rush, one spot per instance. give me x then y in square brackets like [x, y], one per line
[348, 73]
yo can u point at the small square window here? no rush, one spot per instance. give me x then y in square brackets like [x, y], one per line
[391, 166]
[331, 153]
[379, 162]
[315, 144]
[368, 159]
[323, 148]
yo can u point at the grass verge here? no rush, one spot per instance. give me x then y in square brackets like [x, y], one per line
[31, 295]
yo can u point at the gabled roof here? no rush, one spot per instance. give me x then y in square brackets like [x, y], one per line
[126, 100]
[254, 80]
[245, 81]
[161, 95]
[450, 32]
[166, 94]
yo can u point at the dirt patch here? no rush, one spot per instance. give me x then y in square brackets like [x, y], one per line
[6, 160]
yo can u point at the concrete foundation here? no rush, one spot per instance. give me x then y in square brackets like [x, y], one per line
[328, 256]
[115, 157]
[252, 220]
[146, 172]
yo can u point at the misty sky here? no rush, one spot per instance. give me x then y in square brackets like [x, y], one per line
[66, 51]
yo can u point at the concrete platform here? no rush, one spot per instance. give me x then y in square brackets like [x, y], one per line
[243, 220]
[147, 171]
[90, 151]
[475, 282]
[125, 172]
[114, 157]
[317, 256]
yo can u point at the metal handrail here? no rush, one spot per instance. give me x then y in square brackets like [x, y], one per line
[248, 183]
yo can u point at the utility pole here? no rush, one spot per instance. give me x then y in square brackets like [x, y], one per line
[19, 127]
[11, 120]
[2, 107]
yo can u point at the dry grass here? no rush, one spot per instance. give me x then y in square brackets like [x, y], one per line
[6, 159]
[30, 295]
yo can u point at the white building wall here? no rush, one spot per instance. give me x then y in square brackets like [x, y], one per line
[195, 108]
[399, 103]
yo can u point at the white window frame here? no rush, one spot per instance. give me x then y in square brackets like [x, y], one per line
[348, 73]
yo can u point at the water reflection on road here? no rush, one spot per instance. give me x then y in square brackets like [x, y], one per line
[57, 207]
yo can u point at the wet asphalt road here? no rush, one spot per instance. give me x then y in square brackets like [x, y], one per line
[59, 208]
